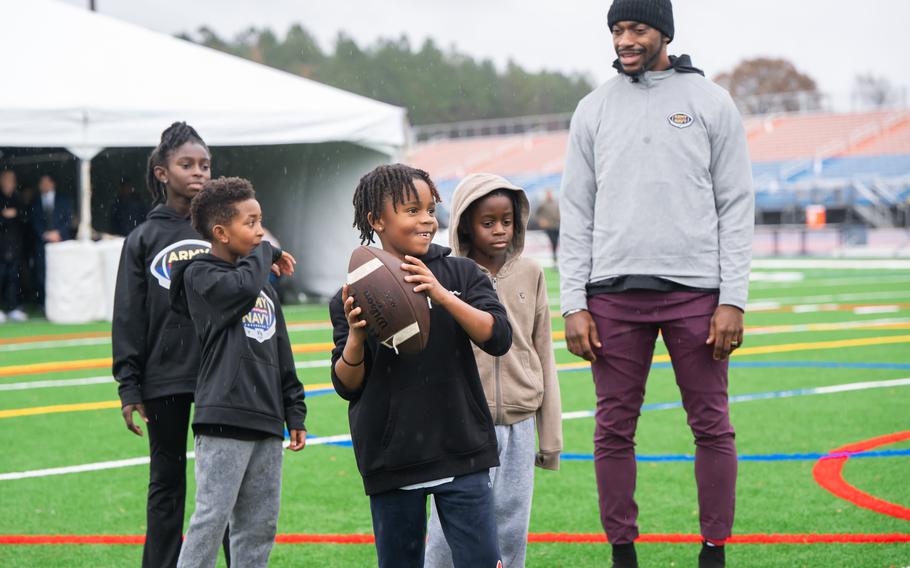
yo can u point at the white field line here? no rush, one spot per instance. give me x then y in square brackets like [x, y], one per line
[863, 310]
[62, 343]
[28, 385]
[826, 298]
[759, 284]
[825, 264]
[55, 344]
[98, 466]
[773, 303]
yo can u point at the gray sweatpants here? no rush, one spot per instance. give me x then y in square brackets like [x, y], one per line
[513, 487]
[237, 481]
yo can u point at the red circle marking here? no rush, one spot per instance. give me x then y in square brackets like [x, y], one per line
[829, 473]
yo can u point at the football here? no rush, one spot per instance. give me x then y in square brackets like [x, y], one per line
[395, 314]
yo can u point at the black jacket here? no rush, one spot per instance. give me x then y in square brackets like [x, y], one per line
[155, 350]
[12, 231]
[423, 417]
[247, 377]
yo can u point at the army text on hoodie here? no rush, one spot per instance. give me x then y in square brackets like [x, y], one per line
[155, 350]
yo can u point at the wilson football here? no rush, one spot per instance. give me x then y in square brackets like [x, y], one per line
[395, 314]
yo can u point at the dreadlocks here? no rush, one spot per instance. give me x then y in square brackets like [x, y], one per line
[173, 137]
[395, 181]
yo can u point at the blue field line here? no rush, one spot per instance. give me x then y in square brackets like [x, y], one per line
[785, 365]
[756, 457]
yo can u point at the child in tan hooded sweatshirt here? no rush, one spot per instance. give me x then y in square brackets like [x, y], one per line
[489, 216]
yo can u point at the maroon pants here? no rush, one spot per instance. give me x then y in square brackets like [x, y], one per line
[628, 324]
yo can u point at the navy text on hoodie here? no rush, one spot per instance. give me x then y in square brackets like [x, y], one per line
[247, 378]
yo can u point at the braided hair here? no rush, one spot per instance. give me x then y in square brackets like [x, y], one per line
[395, 181]
[173, 137]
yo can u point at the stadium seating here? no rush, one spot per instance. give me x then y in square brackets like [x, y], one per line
[835, 159]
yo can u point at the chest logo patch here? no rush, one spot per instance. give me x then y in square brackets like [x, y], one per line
[180, 251]
[259, 323]
[680, 120]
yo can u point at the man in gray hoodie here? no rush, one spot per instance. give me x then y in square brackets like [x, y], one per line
[657, 208]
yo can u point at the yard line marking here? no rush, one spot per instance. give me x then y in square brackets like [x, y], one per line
[28, 346]
[54, 409]
[810, 264]
[828, 298]
[116, 464]
[104, 337]
[548, 537]
[880, 309]
[314, 389]
[28, 385]
[59, 336]
[847, 387]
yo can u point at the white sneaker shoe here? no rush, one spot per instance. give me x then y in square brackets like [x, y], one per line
[2, 317]
[17, 315]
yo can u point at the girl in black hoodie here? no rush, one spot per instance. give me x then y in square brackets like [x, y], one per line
[155, 350]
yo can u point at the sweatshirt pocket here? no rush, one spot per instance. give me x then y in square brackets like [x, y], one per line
[522, 382]
[430, 421]
[255, 387]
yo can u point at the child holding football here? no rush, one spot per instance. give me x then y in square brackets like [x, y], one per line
[490, 216]
[419, 422]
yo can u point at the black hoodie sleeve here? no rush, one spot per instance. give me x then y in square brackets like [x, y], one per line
[291, 390]
[130, 325]
[340, 331]
[232, 293]
[479, 293]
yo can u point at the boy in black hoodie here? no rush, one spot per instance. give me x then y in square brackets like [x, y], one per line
[247, 387]
[420, 423]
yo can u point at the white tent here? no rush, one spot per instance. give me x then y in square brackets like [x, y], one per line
[87, 82]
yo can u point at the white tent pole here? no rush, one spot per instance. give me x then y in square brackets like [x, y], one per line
[85, 156]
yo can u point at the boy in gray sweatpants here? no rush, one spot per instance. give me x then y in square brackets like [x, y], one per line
[247, 387]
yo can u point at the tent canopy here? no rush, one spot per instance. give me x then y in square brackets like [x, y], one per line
[85, 81]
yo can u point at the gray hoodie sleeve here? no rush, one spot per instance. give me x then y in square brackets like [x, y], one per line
[731, 173]
[576, 205]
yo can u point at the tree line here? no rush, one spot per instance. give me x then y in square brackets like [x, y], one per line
[434, 84]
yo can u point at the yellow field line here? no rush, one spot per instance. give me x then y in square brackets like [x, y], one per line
[105, 404]
[85, 364]
[36, 368]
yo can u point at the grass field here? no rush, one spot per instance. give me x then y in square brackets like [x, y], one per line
[808, 330]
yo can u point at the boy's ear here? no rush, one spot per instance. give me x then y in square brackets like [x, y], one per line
[377, 224]
[220, 234]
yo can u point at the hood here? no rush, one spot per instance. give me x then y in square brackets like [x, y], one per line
[472, 188]
[177, 292]
[162, 211]
[681, 64]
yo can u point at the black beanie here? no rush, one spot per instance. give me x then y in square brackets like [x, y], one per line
[656, 13]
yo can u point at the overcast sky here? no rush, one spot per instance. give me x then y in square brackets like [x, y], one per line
[830, 40]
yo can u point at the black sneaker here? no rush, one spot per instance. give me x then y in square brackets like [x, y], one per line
[711, 556]
[624, 556]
